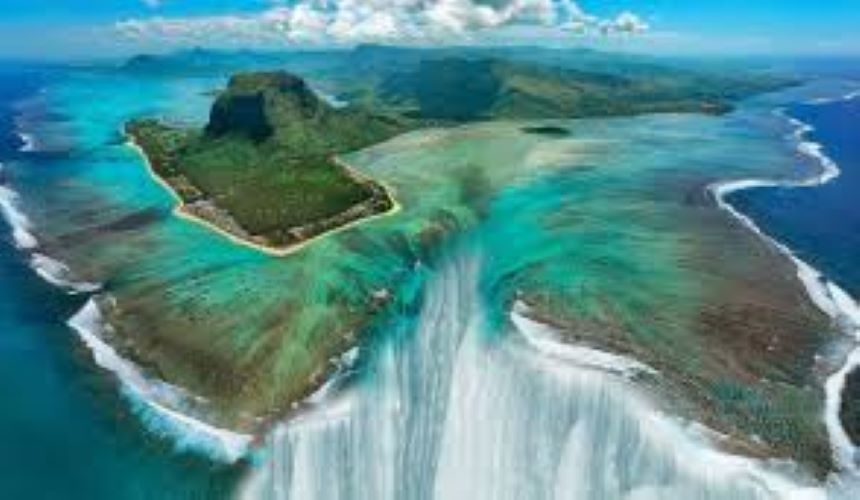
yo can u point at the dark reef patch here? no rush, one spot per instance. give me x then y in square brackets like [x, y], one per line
[547, 130]
[849, 410]
[133, 221]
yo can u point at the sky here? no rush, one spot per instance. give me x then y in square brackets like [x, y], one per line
[58, 29]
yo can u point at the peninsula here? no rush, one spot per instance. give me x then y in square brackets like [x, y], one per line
[264, 169]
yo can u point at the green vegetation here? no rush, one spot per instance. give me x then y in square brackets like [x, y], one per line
[263, 167]
[460, 89]
[468, 83]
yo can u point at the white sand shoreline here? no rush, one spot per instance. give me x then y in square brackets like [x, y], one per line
[181, 210]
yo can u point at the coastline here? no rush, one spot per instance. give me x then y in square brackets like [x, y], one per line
[696, 438]
[181, 208]
[143, 393]
[755, 183]
[53, 271]
[823, 293]
[147, 395]
[544, 339]
[150, 399]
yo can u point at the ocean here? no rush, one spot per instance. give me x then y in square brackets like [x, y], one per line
[72, 189]
[65, 430]
[822, 225]
[818, 219]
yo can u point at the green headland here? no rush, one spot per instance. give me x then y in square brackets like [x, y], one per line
[264, 168]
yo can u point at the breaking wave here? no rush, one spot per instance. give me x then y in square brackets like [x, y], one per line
[825, 294]
[150, 397]
[154, 401]
[17, 220]
[51, 270]
[545, 340]
[59, 275]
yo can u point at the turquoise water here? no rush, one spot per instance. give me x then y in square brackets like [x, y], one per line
[603, 224]
[66, 432]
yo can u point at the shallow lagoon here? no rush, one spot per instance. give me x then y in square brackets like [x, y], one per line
[65, 430]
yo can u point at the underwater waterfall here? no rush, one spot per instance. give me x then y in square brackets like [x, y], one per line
[451, 412]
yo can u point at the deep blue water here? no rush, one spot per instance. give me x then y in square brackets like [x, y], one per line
[65, 433]
[821, 224]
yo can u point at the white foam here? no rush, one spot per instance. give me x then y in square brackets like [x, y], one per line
[343, 364]
[826, 295]
[59, 275]
[49, 269]
[545, 339]
[829, 170]
[29, 141]
[844, 449]
[17, 220]
[850, 96]
[154, 399]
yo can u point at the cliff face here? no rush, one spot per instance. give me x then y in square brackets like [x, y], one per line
[254, 105]
[280, 111]
[244, 115]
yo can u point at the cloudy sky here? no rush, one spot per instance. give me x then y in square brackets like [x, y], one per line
[76, 28]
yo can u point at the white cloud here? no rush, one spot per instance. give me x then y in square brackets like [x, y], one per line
[352, 21]
[628, 22]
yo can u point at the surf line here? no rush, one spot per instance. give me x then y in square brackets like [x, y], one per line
[831, 299]
[51, 270]
[154, 401]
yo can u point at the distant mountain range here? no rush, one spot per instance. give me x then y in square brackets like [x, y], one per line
[479, 83]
